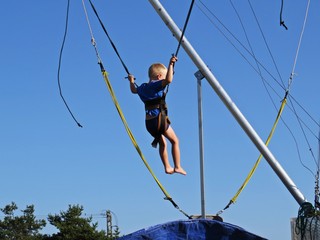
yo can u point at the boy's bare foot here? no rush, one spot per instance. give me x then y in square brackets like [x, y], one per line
[180, 170]
[169, 170]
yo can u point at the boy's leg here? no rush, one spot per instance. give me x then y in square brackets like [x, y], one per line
[172, 137]
[164, 155]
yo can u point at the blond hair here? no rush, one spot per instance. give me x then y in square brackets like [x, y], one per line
[155, 69]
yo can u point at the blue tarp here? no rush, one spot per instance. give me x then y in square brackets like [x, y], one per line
[198, 229]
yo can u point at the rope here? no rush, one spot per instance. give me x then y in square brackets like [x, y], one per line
[129, 132]
[304, 134]
[59, 65]
[184, 27]
[110, 40]
[291, 79]
[266, 44]
[181, 38]
[299, 44]
[234, 199]
[93, 41]
[281, 21]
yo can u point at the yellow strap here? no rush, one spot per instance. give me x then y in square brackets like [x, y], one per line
[233, 200]
[115, 101]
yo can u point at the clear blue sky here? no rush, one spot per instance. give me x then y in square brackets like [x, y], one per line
[50, 162]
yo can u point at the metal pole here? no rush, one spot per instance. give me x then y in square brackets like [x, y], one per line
[225, 98]
[199, 76]
[109, 223]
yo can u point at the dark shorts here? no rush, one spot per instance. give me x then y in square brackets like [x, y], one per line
[152, 126]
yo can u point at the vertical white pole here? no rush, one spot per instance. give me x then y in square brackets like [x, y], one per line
[199, 76]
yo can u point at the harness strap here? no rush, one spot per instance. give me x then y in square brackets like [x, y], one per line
[163, 120]
[160, 104]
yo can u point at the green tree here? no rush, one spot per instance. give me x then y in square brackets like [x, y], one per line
[116, 233]
[24, 227]
[72, 226]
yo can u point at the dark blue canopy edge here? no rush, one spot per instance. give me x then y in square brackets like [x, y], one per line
[196, 229]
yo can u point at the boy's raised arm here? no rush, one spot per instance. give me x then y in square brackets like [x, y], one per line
[169, 76]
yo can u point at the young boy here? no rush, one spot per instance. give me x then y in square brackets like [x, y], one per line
[157, 123]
